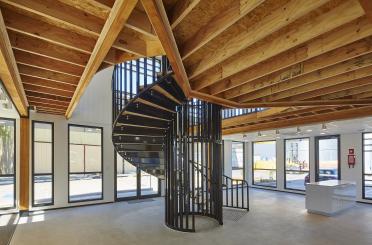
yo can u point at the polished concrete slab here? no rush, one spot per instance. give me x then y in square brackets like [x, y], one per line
[275, 218]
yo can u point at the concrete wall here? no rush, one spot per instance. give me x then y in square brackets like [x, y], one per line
[94, 109]
[347, 141]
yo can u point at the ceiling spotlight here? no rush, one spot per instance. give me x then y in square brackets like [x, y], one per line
[259, 134]
[245, 136]
[309, 130]
[324, 127]
[298, 131]
[322, 133]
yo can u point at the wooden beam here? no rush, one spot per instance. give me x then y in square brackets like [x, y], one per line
[158, 17]
[45, 74]
[94, 8]
[47, 90]
[304, 120]
[333, 88]
[298, 89]
[9, 73]
[48, 32]
[248, 81]
[247, 94]
[48, 105]
[48, 83]
[238, 120]
[61, 15]
[219, 23]
[42, 62]
[308, 103]
[114, 24]
[289, 39]
[40, 47]
[24, 168]
[180, 10]
[278, 19]
[43, 96]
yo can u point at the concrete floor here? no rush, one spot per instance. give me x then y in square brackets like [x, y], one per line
[275, 218]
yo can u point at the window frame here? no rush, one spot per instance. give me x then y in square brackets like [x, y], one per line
[276, 166]
[14, 175]
[243, 143]
[33, 165]
[363, 174]
[285, 163]
[317, 138]
[69, 172]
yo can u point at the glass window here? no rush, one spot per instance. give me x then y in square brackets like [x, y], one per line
[7, 163]
[264, 163]
[85, 163]
[42, 163]
[367, 165]
[237, 160]
[297, 158]
[327, 161]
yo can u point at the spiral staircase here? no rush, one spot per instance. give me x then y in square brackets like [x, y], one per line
[140, 128]
[158, 130]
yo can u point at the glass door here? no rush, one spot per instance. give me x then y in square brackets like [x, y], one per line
[133, 183]
[327, 158]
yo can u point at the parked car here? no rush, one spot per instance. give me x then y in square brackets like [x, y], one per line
[324, 174]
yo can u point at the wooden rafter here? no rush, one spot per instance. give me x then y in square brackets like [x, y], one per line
[9, 72]
[157, 15]
[219, 23]
[284, 41]
[304, 120]
[114, 24]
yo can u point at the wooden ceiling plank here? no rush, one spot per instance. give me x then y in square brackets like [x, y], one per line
[308, 103]
[94, 8]
[46, 100]
[114, 24]
[48, 83]
[43, 48]
[297, 91]
[43, 30]
[47, 105]
[367, 6]
[47, 63]
[45, 74]
[158, 17]
[304, 120]
[285, 41]
[217, 25]
[273, 22]
[349, 91]
[46, 90]
[44, 96]
[180, 10]
[131, 42]
[238, 83]
[9, 73]
[245, 94]
[61, 14]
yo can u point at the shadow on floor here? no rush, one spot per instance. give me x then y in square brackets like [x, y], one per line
[8, 223]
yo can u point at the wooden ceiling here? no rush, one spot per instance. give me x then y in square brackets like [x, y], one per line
[308, 61]
[302, 59]
[59, 45]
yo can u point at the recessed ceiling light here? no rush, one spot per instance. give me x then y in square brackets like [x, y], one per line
[322, 133]
[309, 130]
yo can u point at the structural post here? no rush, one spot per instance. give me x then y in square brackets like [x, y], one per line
[24, 164]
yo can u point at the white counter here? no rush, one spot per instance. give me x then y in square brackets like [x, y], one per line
[330, 197]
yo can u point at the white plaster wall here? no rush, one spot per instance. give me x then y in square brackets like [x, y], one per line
[347, 141]
[94, 109]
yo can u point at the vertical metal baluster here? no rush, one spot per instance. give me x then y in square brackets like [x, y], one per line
[145, 72]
